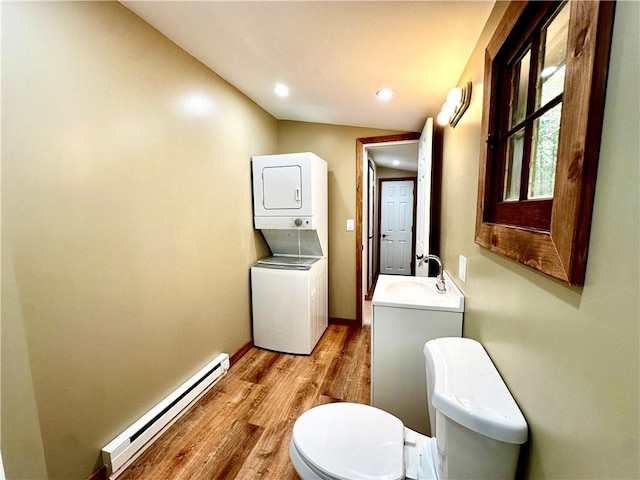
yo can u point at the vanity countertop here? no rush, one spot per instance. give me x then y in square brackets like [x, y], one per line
[417, 292]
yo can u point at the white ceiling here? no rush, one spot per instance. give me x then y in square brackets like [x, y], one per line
[401, 156]
[333, 55]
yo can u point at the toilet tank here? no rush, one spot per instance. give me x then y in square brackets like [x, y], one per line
[478, 425]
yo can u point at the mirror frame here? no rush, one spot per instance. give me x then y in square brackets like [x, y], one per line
[560, 252]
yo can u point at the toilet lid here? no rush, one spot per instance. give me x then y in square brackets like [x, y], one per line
[348, 441]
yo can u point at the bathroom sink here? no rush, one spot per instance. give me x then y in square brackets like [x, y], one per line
[417, 292]
[412, 291]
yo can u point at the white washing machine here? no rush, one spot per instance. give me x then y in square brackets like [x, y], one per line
[289, 303]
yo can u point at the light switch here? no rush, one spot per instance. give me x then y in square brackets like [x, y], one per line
[350, 225]
[462, 269]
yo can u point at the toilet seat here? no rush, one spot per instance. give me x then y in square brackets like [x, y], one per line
[348, 441]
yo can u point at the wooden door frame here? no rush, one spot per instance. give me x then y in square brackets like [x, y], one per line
[360, 145]
[414, 181]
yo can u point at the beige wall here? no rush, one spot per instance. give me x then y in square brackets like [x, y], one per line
[337, 145]
[127, 213]
[21, 435]
[383, 172]
[570, 356]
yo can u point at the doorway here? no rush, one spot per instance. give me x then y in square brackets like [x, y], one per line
[362, 209]
[371, 199]
[427, 223]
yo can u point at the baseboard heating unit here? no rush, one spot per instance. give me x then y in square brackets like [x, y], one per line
[127, 446]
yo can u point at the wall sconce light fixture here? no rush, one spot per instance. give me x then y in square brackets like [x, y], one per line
[458, 100]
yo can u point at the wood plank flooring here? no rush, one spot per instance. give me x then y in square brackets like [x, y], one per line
[242, 427]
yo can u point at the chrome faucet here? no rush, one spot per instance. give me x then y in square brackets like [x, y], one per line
[440, 285]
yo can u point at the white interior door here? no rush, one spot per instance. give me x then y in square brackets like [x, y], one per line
[423, 200]
[396, 227]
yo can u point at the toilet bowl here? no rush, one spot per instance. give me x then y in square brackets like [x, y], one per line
[478, 427]
[353, 441]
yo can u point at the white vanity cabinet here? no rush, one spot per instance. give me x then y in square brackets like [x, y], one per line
[404, 319]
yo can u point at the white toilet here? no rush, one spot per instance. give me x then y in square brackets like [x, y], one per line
[478, 427]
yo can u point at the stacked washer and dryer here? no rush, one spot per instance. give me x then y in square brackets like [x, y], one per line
[289, 289]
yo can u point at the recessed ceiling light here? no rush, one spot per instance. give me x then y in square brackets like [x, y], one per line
[281, 90]
[396, 163]
[384, 94]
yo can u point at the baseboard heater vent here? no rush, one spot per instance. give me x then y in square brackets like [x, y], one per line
[127, 446]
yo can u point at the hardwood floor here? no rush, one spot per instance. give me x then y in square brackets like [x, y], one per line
[242, 427]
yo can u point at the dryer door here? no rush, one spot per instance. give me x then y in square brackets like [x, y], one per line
[282, 187]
